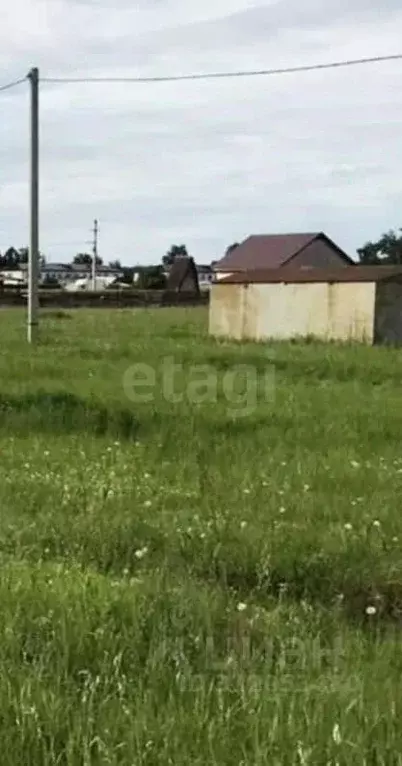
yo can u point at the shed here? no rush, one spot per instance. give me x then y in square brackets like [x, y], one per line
[362, 303]
[274, 251]
[183, 276]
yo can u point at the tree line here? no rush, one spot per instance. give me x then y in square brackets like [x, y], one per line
[386, 250]
[14, 257]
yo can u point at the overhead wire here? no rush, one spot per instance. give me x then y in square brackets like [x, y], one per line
[213, 75]
[13, 84]
[221, 75]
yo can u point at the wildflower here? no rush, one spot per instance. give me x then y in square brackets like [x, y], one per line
[46, 453]
[125, 572]
[348, 527]
[371, 610]
[148, 503]
[202, 535]
[394, 539]
[376, 523]
[282, 509]
[306, 487]
[140, 553]
[336, 734]
[243, 524]
[147, 475]
[241, 607]
[354, 464]
[300, 753]
[246, 491]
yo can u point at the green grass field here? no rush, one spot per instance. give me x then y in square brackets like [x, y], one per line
[214, 580]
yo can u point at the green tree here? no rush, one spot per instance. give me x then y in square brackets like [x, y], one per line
[115, 265]
[14, 258]
[85, 259]
[127, 275]
[176, 251]
[387, 250]
[9, 260]
[152, 278]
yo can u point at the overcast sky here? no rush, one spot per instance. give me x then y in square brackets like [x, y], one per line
[202, 163]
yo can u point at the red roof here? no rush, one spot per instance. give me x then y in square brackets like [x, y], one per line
[271, 251]
[357, 273]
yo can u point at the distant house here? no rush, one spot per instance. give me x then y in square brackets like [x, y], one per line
[205, 276]
[84, 271]
[272, 251]
[62, 273]
[183, 277]
[52, 272]
[14, 277]
[68, 274]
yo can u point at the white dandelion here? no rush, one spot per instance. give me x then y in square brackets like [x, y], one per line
[336, 734]
[140, 553]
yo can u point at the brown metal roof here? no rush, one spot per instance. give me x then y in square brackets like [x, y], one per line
[271, 251]
[291, 276]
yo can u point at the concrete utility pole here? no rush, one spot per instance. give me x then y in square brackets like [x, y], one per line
[33, 256]
[95, 254]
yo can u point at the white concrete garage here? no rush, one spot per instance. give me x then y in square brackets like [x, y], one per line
[361, 303]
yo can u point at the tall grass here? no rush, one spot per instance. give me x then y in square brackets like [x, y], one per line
[183, 586]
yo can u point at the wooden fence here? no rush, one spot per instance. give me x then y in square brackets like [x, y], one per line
[107, 299]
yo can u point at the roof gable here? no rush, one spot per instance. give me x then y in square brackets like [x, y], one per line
[271, 251]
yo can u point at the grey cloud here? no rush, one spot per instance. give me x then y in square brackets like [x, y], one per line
[262, 23]
[207, 163]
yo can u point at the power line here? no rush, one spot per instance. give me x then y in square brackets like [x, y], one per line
[212, 75]
[12, 84]
[221, 75]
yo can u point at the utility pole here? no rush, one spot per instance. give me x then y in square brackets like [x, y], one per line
[33, 255]
[95, 254]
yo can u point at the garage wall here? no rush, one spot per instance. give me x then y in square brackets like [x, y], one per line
[342, 311]
[226, 311]
[388, 313]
